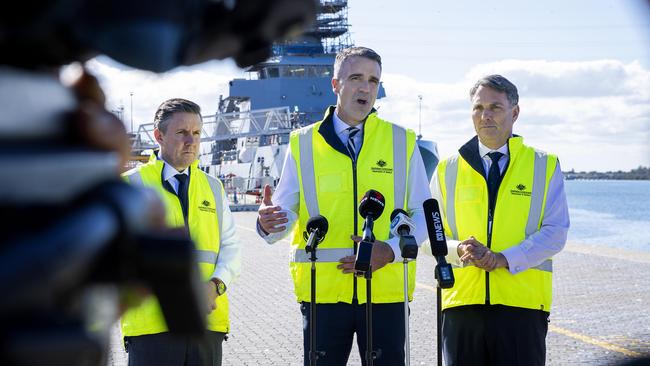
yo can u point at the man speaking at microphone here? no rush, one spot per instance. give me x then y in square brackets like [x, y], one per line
[506, 202]
[328, 168]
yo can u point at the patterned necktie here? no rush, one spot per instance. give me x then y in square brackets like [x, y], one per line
[183, 187]
[494, 174]
[352, 148]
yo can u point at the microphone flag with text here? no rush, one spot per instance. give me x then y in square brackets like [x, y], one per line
[370, 208]
[401, 225]
[317, 227]
[444, 273]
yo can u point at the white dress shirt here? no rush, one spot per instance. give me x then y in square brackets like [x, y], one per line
[541, 245]
[287, 193]
[229, 259]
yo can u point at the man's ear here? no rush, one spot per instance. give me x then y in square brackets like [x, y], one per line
[515, 113]
[335, 85]
[158, 135]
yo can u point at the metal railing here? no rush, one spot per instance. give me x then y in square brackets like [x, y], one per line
[227, 126]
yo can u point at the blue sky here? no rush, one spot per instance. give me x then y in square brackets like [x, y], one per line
[438, 41]
[582, 68]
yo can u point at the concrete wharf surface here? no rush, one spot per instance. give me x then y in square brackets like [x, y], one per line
[600, 314]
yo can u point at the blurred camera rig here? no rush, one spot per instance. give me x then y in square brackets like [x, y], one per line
[78, 244]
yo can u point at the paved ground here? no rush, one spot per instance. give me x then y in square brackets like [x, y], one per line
[600, 316]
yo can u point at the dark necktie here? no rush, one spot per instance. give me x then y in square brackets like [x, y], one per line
[183, 186]
[494, 174]
[352, 148]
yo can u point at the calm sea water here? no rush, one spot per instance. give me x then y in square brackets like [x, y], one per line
[610, 212]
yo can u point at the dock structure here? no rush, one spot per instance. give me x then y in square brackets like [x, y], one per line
[600, 314]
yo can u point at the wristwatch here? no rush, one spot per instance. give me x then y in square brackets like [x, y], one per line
[221, 287]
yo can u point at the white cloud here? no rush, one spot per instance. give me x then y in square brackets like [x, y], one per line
[201, 84]
[595, 115]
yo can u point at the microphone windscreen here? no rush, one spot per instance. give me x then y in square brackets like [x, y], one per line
[434, 228]
[396, 212]
[317, 222]
[372, 204]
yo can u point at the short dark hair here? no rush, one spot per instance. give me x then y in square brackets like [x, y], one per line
[171, 106]
[497, 82]
[346, 53]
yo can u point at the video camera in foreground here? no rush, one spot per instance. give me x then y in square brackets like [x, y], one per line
[78, 244]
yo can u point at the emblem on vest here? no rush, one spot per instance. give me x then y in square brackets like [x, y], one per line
[381, 167]
[520, 190]
[205, 207]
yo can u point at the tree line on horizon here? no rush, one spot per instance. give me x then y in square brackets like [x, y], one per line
[640, 173]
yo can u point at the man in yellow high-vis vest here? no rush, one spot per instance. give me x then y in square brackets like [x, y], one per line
[194, 200]
[328, 168]
[506, 215]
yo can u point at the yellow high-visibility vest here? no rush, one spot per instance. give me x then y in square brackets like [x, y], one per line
[331, 186]
[204, 220]
[518, 214]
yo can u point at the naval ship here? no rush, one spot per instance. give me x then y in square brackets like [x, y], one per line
[244, 143]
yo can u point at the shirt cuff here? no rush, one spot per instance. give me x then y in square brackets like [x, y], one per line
[452, 253]
[516, 258]
[394, 245]
[223, 275]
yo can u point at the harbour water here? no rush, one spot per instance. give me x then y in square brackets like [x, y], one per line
[612, 213]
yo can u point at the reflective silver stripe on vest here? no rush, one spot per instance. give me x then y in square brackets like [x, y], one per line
[218, 200]
[206, 256]
[136, 179]
[399, 166]
[451, 175]
[537, 193]
[307, 172]
[322, 255]
[546, 266]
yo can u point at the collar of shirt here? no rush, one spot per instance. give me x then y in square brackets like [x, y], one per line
[169, 172]
[487, 162]
[340, 127]
[484, 150]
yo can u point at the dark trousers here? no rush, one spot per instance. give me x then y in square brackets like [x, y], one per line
[164, 349]
[336, 325]
[494, 335]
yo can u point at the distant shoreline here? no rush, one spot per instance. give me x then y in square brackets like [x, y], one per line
[627, 179]
[640, 173]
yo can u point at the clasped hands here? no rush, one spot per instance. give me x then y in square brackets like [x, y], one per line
[471, 250]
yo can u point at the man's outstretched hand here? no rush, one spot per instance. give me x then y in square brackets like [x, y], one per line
[270, 218]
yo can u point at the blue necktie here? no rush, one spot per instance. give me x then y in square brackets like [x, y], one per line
[182, 192]
[352, 148]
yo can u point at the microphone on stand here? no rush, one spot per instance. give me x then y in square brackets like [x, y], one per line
[401, 225]
[370, 208]
[444, 273]
[315, 233]
[317, 227]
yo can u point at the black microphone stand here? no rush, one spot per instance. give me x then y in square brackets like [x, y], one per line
[370, 208]
[445, 279]
[443, 271]
[314, 238]
[368, 238]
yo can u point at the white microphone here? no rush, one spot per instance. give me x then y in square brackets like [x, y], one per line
[401, 225]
